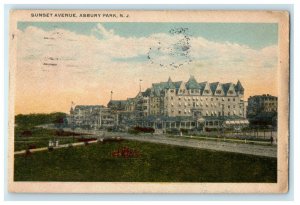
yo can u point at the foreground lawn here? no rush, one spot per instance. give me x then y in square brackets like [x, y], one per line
[157, 163]
[36, 137]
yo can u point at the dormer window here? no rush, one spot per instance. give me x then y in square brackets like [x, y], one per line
[206, 91]
[230, 92]
[219, 92]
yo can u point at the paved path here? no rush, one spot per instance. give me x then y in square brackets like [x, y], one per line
[218, 145]
[236, 147]
[57, 147]
[258, 150]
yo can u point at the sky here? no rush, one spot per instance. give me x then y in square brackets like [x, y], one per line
[60, 63]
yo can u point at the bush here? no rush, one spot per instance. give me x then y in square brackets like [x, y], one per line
[26, 133]
[86, 139]
[137, 130]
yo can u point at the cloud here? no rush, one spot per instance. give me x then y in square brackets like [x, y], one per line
[59, 61]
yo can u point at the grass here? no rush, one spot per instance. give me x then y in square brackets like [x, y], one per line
[157, 163]
[230, 140]
[39, 137]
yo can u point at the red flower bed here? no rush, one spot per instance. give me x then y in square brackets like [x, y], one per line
[126, 152]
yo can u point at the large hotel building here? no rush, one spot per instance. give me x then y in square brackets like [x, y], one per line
[183, 104]
[188, 98]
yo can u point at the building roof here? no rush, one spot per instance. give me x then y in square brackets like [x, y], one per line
[239, 87]
[263, 96]
[117, 103]
[213, 86]
[192, 83]
[88, 106]
[146, 93]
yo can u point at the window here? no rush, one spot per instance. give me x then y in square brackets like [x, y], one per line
[233, 99]
[211, 99]
[179, 111]
[218, 92]
[228, 99]
[228, 113]
[228, 106]
[206, 91]
[230, 92]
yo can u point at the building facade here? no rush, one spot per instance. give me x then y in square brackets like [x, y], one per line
[184, 105]
[262, 110]
[92, 117]
[193, 99]
[261, 104]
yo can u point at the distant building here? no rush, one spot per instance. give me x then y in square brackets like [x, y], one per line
[261, 104]
[169, 102]
[170, 105]
[92, 117]
[188, 99]
[262, 110]
[117, 105]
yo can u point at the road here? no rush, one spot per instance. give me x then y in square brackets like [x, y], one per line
[217, 145]
[236, 147]
[258, 150]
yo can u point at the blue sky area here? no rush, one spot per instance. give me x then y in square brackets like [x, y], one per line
[254, 35]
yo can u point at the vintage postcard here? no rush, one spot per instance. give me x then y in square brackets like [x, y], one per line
[148, 101]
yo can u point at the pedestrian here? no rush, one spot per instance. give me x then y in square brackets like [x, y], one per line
[271, 139]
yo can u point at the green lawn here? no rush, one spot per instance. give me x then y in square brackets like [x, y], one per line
[39, 137]
[157, 163]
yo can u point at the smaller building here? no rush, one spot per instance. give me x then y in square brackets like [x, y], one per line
[117, 105]
[92, 117]
[261, 104]
[262, 110]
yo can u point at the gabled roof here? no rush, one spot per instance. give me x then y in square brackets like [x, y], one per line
[146, 93]
[213, 86]
[170, 84]
[157, 88]
[177, 84]
[226, 87]
[239, 86]
[192, 83]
